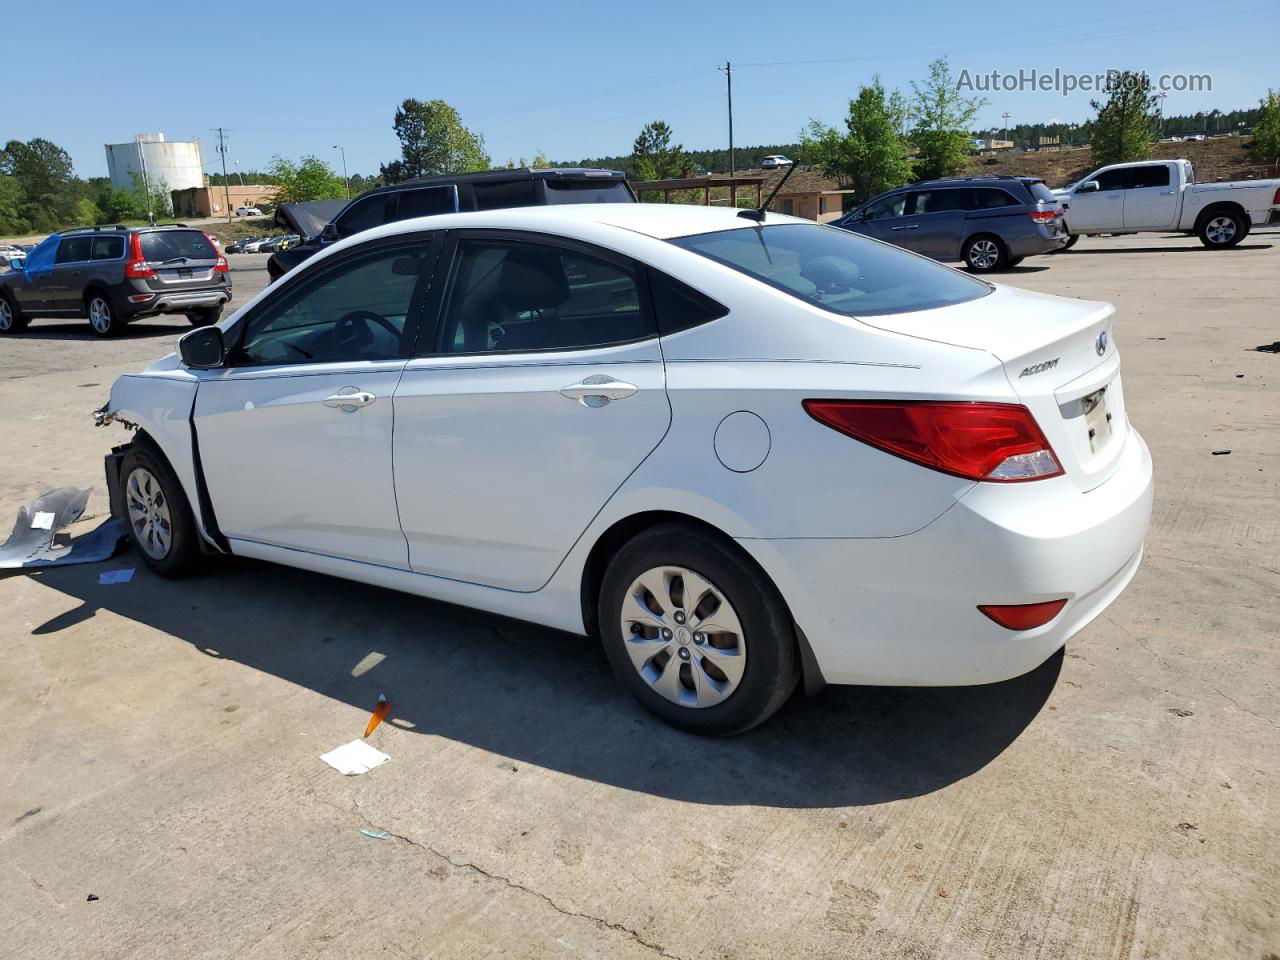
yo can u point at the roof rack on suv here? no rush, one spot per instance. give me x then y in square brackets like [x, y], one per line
[979, 176]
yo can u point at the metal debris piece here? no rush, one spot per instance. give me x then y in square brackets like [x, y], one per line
[34, 541]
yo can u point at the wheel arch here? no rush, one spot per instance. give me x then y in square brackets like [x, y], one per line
[1221, 206]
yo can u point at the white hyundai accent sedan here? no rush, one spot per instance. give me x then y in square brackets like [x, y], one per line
[744, 454]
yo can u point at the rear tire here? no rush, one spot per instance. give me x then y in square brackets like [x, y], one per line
[161, 524]
[720, 681]
[1222, 230]
[204, 318]
[985, 253]
[1072, 240]
[102, 316]
[12, 319]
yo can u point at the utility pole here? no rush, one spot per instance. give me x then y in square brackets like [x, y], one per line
[226, 188]
[727, 69]
[345, 179]
[146, 184]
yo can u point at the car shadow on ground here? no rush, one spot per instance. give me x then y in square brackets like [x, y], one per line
[544, 697]
[80, 330]
[1198, 248]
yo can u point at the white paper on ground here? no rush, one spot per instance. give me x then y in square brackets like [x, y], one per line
[42, 521]
[354, 757]
[115, 576]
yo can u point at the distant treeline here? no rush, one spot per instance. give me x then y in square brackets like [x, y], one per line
[1214, 121]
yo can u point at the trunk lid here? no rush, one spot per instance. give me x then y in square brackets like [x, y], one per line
[1060, 360]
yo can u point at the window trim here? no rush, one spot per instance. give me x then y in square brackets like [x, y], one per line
[434, 240]
[431, 344]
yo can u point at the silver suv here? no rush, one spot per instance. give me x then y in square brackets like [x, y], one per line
[111, 275]
[990, 223]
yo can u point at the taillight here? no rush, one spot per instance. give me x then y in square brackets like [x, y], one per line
[1044, 216]
[998, 442]
[1276, 199]
[1022, 616]
[220, 264]
[137, 266]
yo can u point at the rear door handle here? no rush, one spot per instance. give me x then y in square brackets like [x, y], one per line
[598, 390]
[914, 226]
[1167, 193]
[349, 399]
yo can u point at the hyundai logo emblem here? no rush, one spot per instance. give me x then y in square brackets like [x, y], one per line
[1102, 343]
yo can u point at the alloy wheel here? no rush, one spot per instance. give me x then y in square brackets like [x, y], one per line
[6, 316]
[683, 636]
[149, 513]
[100, 315]
[1220, 230]
[984, 254]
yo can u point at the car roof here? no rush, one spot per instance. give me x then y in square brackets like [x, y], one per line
[516, 175]
[989, 180]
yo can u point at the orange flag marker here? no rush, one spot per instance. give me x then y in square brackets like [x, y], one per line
[379, 713]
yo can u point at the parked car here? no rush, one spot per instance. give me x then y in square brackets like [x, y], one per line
[255, 245]
[10, 253]
[991, 223]
[248, 212]
[1162, 195]
[774, 161]
[115, 275]
[428, 196]
[942, 489]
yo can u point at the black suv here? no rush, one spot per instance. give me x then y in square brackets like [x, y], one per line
[111, 275]
[450, 193]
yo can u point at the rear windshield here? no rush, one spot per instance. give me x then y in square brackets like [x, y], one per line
[1041, 193]
[587, 191]
[174, 244]
[837, 270]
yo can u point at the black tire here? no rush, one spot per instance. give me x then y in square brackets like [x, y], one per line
[978, 254]
[1014, 261]
[182, 556]
[772, 665]
[12, 320]
[205, 318]
[1222, 229]
[1072, 240]
[103, 319]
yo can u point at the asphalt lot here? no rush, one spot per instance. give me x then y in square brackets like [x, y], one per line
[161, 738]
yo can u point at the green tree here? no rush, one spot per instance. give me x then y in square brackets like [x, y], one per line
[49, 185]
[872, 155]
[12, 202]
[1126, 121]
[942, 119]
[433, 140]
[654, 158]
[1266, 130]
[309, 179]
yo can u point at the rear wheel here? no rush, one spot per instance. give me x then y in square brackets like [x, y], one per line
[161, 524]
[985, 253]
[11, 319]
[696, 632]
[1222, 230]
[204, 318]
[1071, 242]
[102, 317]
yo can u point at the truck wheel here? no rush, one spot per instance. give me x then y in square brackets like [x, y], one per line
[1223, 229]
[11, 318]
[984, 254]
[161, 524]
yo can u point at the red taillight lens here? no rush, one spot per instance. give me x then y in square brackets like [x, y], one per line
[137, 267]
[1044, 216]
[1023, 616]
[1276, 199]
[220, 264]
[999, 442]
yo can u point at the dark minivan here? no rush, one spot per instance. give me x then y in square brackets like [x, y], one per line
[990, 223]
[451, 193]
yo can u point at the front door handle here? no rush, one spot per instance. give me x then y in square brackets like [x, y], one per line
[1166, 193]
[598, 390]
[914, 226]
[349, 399]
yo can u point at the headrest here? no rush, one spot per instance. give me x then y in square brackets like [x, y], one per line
[532, 279]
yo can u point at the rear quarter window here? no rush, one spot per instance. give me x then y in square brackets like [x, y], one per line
[1041, 193]
[172, 244]
[836, 270]
[587, 191]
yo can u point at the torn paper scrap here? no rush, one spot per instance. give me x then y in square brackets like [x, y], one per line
[354, 758]
[43, 521]
[109, 577]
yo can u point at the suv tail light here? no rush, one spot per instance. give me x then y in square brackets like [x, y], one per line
[1276, 199]
[1044, 216]
[137, 267]
[220, 264]
[998, 442]
[1022, 616]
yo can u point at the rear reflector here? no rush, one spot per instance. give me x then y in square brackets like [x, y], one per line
[141, 297]
[1023, 616]
[1044, 216]
[998, 442]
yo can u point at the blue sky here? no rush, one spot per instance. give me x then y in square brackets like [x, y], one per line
[569, 79]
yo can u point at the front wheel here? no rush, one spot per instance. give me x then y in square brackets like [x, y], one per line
[102, 318]
[161, 524]
[11, 319]
[696, 632]
[984, 254]
[204, 318]
[1222, 230]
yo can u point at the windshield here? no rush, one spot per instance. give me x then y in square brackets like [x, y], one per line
[175, 244]
[837, 270]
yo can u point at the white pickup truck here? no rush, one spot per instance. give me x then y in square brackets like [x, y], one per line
[1163, 195]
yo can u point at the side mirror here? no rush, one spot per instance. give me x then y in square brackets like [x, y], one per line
[330, 233]
[202, 349]
[1089, 186]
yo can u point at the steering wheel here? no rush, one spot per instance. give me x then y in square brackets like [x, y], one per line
[352, 332]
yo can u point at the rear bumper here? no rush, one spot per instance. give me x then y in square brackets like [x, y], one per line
[1032, 244]
[903, 610]
[178, 302]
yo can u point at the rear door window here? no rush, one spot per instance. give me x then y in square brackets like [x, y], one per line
[426, 203]
[74, 249]
[587, 191]
[940, 201]
[163, 245]
[367, 213]
[107, 248]
[496, 196]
